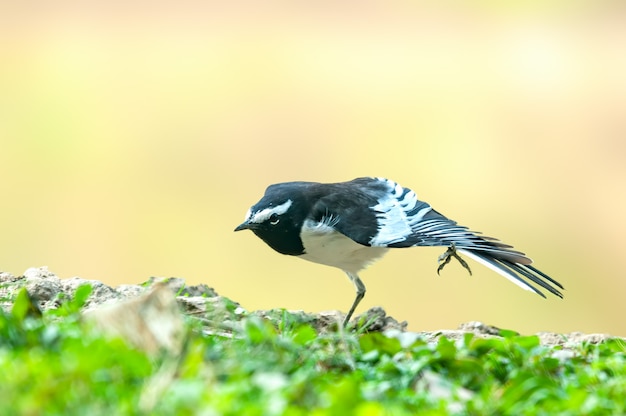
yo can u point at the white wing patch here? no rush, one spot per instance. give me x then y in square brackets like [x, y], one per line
[264, 214]
[392, 213]
[329, 220]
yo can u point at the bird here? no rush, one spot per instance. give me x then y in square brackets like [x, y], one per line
[349, 225]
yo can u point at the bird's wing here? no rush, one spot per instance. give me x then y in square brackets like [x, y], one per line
[348, 212]
[382, 213]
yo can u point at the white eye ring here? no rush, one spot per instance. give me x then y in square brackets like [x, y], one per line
[274, 219]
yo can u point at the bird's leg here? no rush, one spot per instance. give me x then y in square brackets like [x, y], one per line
[445, 259]
[360, 293]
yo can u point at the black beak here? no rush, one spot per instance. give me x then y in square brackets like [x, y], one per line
[243, 226]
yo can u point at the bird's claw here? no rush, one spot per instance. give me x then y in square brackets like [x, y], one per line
[447, 256]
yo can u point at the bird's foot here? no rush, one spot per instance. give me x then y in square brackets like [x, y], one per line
[447, 256]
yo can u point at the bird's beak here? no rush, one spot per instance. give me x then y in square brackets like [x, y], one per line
[243, 226]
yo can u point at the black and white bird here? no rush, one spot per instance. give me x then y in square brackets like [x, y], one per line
[351, 224]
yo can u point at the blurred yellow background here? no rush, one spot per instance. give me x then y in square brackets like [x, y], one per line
[134, 138]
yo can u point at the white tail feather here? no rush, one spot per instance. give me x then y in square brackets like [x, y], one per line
[501, 271]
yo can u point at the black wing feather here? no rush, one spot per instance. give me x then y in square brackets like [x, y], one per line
[405, 221]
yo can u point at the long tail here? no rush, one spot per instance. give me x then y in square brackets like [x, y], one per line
[430, 228]
[516, 272]
[490, 252]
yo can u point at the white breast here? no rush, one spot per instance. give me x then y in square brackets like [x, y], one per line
[322, 244]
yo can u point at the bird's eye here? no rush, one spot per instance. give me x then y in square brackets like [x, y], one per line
[274, 219]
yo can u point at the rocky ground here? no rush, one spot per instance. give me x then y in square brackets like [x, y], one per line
[217, 314]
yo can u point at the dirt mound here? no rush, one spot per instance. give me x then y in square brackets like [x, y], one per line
[219, 314]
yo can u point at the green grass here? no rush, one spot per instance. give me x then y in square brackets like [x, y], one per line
[53, 363]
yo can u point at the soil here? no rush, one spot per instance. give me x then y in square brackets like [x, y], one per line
[219, 315]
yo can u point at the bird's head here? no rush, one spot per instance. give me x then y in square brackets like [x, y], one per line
[277, 218]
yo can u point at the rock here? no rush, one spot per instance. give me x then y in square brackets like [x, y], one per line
[100, 293]
[376, 320]
[567, 340]
[42, 285]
